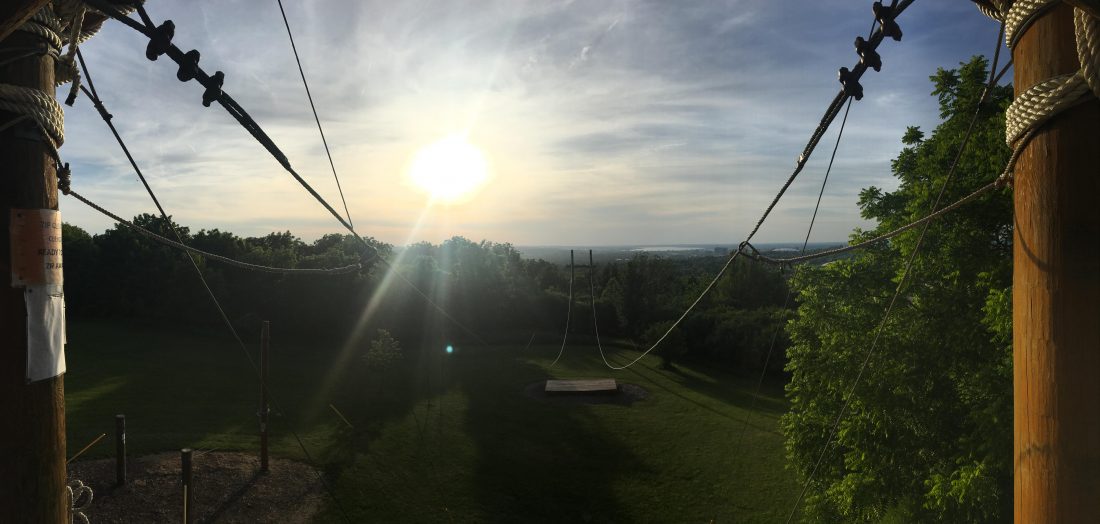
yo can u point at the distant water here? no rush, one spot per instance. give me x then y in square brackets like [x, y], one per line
[667, 248]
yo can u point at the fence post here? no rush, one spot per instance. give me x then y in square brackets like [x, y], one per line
[265, 345]
[188, 487]
[120, 450]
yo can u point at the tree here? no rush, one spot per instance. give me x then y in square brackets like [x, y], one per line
[928, 432]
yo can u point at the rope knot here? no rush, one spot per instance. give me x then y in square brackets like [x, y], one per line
[64, 178]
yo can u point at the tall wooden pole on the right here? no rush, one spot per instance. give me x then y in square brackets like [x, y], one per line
[1056, 294]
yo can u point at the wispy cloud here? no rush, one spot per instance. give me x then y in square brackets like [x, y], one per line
[604, 122]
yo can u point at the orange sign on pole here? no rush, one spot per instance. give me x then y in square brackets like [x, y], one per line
[36, 247]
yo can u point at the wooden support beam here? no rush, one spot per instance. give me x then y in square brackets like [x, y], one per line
[14, 12]
[32, 444]
[1056, 294]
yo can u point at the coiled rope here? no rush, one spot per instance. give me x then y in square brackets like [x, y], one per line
[1041, 102]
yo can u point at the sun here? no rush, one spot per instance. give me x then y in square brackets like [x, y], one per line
[450, 169]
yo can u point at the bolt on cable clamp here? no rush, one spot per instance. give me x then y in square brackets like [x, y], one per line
[867, 54]
[160, 40]
[884, 15]
[851, 84]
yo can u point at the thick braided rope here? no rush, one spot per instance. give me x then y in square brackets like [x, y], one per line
[45, 25]
[1020, 15]
[41, 107]
[1043, 101]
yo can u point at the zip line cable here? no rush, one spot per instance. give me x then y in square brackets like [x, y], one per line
[907, 271]
[830, 114]
[93, 96]
[64, 184]
[160, 43]
[790, 291]
[316, 118]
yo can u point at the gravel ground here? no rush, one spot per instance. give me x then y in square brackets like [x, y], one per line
[228, 488]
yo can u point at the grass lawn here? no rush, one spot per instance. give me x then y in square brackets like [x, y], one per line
[450, 438]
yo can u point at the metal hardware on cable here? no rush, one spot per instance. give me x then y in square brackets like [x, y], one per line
[160, 39]
[867, 54]
[187, 66]
[852, 87]
[884, 15]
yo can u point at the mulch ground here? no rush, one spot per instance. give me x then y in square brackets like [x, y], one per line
[227, 488]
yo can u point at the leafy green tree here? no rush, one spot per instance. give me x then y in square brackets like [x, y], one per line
[928, 432]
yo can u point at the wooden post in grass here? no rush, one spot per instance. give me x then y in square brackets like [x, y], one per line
[265, 344]
[186, 479]
[571, 271]
[120, 450]
[32, 443]
[1056, 293]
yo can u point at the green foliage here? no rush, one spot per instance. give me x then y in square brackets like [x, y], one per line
[927, 436]
[384, 352]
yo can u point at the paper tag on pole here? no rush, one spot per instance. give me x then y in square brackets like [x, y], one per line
[36, 248]
[45, 332]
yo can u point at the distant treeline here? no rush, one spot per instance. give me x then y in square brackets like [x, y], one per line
[486, 286]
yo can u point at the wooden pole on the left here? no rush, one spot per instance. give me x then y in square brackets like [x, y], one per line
[32, 443]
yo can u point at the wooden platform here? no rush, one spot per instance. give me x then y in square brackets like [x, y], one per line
[599, 386]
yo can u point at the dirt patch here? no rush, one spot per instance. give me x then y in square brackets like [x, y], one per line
[625, 396]
[228, 488]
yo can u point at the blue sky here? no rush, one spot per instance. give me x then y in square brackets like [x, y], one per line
[603, 122]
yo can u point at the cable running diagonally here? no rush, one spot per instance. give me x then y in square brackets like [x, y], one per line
[790, 291]
[214, 93]
[907, 271]
[830, 114]
[316, 118]
[64, 185]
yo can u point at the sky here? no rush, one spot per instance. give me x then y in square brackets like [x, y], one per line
[622, 122]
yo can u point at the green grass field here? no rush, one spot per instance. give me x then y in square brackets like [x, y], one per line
[452, 438]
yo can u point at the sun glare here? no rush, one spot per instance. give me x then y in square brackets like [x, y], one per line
[450, 169]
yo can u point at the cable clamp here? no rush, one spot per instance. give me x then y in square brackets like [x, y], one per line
[867, 54]
[213, 85]
[851, 84]
[160, 40]
[188, 65]
[885, 17]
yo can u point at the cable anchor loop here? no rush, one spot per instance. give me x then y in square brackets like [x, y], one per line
[160, 40]
[851, 84]
[867, 54]
[884, 15]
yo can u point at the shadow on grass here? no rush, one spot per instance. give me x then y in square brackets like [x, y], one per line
[537, 462]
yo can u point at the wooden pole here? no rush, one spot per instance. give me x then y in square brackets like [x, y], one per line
[186, 480]
[1056, 294]
[572, 265]
[120, 450]
[14, 13]
[32, 444]
[265, 344]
